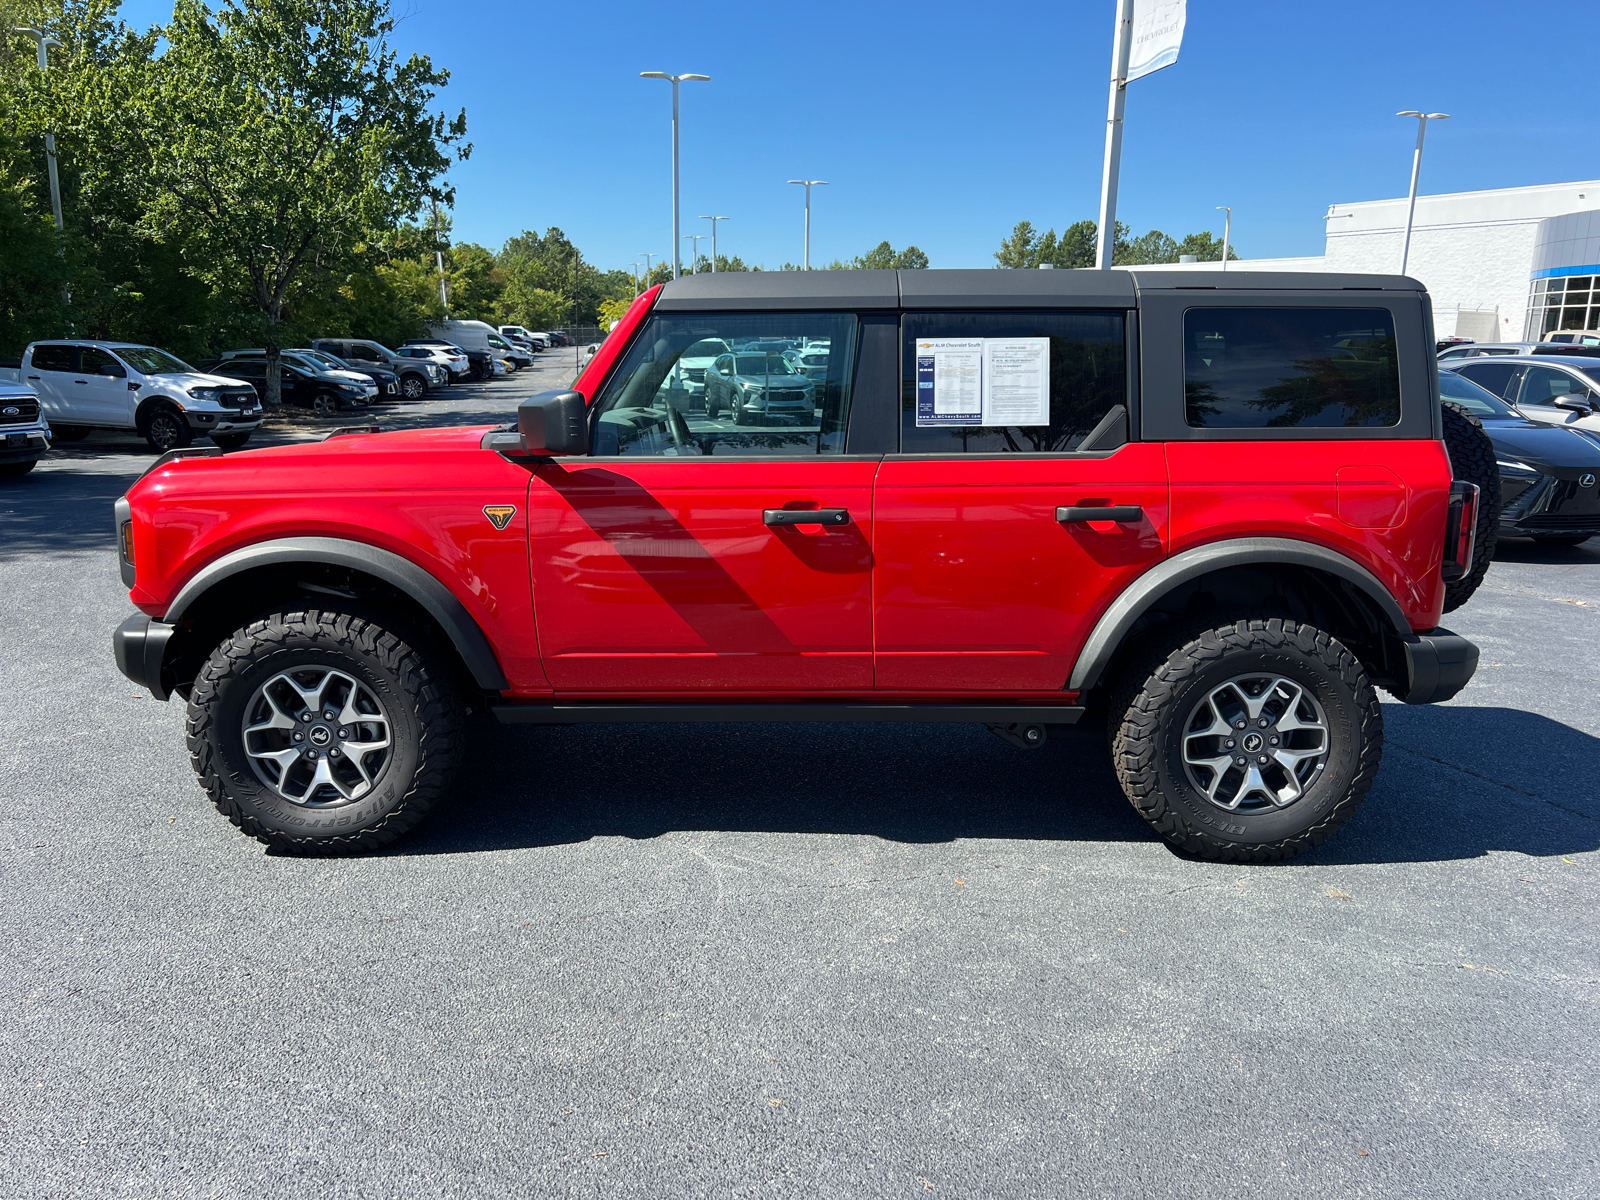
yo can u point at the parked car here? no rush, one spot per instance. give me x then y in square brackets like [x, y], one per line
[756, 387]
[1224, 575]
[1503, 349]
[538, 341]
[812, 362]
[517, 356]
[480, 362]
[386, 381]
[448, 359]
[690, 370]
[323, 392]
[1574, 337]
[416, 378]
[1556, 391]
[25, 429]
[1548, 477]
[85, 385]
[314, 363]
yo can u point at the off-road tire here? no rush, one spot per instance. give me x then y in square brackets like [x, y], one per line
[1159, 690]
[1472, 458]
[230, 441]
[17, 470]
[423, 707]
[165, 429]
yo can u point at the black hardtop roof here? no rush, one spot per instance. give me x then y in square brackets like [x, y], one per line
[795, 290]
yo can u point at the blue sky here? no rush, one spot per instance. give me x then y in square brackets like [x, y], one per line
[942, 125]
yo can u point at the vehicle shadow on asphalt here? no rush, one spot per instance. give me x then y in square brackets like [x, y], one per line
[1526, 550]
[63, 508]
[1448, 788]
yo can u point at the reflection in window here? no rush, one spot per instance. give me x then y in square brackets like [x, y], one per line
[1285, 368]
[718, 384]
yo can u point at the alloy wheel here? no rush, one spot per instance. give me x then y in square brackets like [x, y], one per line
[316, 736]
[1255, 743]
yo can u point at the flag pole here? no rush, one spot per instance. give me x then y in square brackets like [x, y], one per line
[1121, 45]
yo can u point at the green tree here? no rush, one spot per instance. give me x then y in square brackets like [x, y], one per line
[272, 140]
[884, 257]
[1025, 249]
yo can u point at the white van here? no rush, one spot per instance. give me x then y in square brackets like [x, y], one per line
[480, 335]
[121, 385]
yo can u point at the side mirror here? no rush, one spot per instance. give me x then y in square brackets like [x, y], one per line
[1571, 403]
[554, 423]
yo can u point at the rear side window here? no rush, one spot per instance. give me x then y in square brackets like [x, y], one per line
[1084, 377]
[1496, 377]
[703, 385]
[1290, 368]
[52, 358]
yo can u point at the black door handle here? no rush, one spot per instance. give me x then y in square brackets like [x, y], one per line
[805, 516]
[85, 382]
[33, 379]
[1121, 513]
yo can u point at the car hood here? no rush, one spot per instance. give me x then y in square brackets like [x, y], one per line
[189, 379]
[16, 391]
[1546, 446]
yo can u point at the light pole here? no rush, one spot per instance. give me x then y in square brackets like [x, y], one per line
[44, 43]
[635, 267]
[808, 184]
[675, 80]
[714, 221]
[694, 251]
[1227, 228]
[647, 258]
[1121, 48]
[1416, 170]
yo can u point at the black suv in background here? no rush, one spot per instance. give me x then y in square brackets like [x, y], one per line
[482, 360]
[325, 394]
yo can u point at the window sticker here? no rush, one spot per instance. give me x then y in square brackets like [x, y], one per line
[983, 381]
[950, 381]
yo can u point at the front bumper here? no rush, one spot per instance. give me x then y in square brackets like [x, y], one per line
[139, 645]
[223, 420]
[24, 443]
[1438, 665]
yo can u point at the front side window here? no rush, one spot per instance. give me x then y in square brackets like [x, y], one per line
[1290, 368]
[719, 384]
[1009, 382]
[95, 361]
[1542, 385]
[1495, 377]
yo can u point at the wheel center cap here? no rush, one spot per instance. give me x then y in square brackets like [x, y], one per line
[1253, 743]
[321, 736]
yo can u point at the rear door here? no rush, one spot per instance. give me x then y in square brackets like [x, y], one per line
[980, 585]
[51, 369]
[689, 554]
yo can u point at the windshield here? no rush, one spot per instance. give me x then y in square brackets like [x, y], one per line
[1476, 400]
[763, 364]
[147, 360]
[325, 360]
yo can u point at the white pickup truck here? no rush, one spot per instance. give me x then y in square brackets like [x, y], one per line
[25, 432]
[84, 385]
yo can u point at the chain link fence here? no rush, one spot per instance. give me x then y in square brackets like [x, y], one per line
[584, 335]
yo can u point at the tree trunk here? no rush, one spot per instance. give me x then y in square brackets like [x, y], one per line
[274, 396]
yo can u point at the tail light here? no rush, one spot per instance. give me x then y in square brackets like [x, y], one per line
[1460, 529]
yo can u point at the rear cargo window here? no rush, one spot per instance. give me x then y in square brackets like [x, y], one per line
[1290, 368]
[716, 384]
[1083, 377]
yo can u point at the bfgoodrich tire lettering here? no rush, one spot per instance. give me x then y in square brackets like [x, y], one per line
[1161, 690]
[420, 707]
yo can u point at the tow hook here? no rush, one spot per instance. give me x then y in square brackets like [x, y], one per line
[1027, 736]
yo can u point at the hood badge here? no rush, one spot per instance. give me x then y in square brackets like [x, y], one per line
[500, 514]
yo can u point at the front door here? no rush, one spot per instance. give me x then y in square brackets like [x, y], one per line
[690, 553]
[103, 384]
[982, 585]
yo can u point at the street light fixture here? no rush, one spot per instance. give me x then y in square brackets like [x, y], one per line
[675, 80]
[808, 184]
[647, 257]
[694, 251]
[635, 267]
[1227, 228]
[45, 42]
[714, 221]
[1416, 170]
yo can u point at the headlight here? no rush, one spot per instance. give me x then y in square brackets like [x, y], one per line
[1519, 470]
[351, 387]
[205, 393]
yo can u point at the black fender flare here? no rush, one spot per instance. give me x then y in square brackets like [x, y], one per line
[440, 603]
[1181, 568]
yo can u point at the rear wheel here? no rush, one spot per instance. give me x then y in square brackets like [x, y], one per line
[1247, 742]
[165, 429]
[321, 732]
[1472, 458]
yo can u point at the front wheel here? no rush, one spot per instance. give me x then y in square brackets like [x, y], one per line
[325, 405]
[321, 732]
[70, 433]
[167, 430]
[1248, 742]
[413, 388]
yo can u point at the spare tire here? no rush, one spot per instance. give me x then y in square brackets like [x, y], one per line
[1472, 459]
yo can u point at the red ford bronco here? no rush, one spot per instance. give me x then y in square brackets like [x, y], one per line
[1212, 516]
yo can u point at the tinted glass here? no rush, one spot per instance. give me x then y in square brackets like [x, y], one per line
[1470, 396]
[1088, 378]
[1290, 368]
[663, 400]
[1496, 377]
[52, 358]
[1541, 385]
[242, 368]
[97, 362]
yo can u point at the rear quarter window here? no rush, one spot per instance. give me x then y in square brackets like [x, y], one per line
[1290, 368]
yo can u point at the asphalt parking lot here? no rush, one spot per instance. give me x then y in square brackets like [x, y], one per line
[830, 961]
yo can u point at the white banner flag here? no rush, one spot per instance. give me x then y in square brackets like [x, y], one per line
[1157, 34]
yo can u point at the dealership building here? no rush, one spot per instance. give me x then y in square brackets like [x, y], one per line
[1507, 265]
